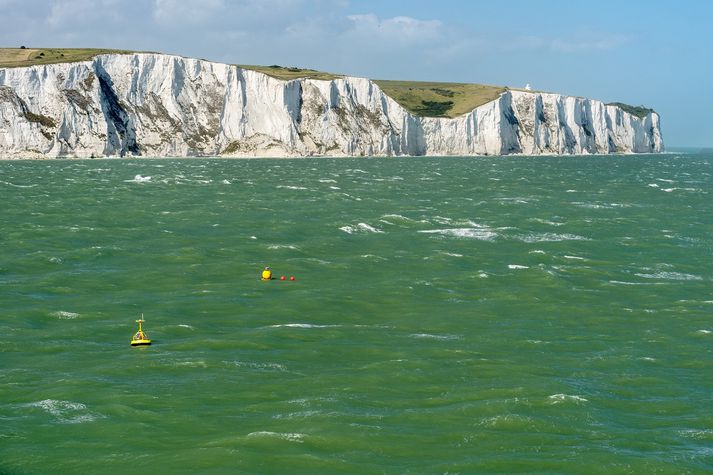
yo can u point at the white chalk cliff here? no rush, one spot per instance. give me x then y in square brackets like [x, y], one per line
[158, 105]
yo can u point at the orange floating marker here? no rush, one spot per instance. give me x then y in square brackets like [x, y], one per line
[282, 278]
[292, 277]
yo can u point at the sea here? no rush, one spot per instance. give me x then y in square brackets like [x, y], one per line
[448, 315]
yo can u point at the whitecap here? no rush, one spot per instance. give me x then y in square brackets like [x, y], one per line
[670, 276]
[550, 237]
[302, 325]
[226, 182]
[697, 433]
[360, 227]
[545, 221]
[435, 337]
[559, 398]
[576, 258]
[705, 332]
[183, 325]
[191, 364]
[517, 266]
[282, 246]
[327, 180]
[291, 187]
[17, 186]
[62, 315]
[67, 412]
[139, 179]
[480, 233]
[260, 366]
[653, 185]
[288, 436]
[620, 282]
[396, 217]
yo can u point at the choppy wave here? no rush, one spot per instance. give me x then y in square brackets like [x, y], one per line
[669, 276]
[301, 325]
[560, 398]
[66, 412]
[479, 233]
[292, 187]
[549, 237]
[435, 337]
[139, 179]
[288, 436]
[259, 366]
[360, 228]
[62, 315]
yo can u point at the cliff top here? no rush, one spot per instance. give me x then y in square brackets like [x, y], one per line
[425, 99]
[23, 57]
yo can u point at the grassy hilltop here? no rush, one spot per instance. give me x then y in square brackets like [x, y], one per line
[424, 99]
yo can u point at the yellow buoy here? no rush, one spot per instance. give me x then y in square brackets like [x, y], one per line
[140, 337]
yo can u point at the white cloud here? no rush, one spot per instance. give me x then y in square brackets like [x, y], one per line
[399, 29]
[186, 11]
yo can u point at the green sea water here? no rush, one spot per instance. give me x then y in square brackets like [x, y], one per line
[448, 315]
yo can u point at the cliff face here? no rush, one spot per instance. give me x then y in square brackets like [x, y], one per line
[161, 105]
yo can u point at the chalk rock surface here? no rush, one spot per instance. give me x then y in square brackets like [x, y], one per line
[159, 105]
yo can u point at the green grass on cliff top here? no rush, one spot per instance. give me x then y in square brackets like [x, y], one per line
[22, 57]
[425, 99]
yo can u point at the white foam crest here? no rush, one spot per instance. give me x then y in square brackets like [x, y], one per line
[517, 266]
[282, 246]
[704, 332]
[576, 258]
[697, 433]
[504, 420]
[548, 222]
[291, 187]
[191, 364]
[62, 315]
[670, 276]
[373, 257]
[480, 233]
[653, 185]
[302, 325]
[560, 398]
[17, 186]
[183, 325]
[260, 366]
[139, 179]
[334, 188]
[435, 337]
[550, 237]
[327, 180]
[620, 282]
[226, 182]
[360, 228]
[67, 412]
[288, 436]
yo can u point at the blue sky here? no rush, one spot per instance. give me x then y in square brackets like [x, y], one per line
[656, 53]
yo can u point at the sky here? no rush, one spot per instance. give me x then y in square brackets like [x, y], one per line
[654, 53]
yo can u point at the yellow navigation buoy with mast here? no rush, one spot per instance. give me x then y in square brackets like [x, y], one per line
[140, 338]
